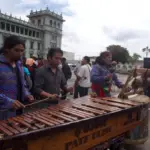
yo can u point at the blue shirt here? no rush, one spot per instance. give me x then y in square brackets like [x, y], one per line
[26, 71]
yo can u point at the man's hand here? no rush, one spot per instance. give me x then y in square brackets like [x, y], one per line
[48, 95]
[17, 105]
[53, 96]
[108, 77]
[30, 98]
[76, 84]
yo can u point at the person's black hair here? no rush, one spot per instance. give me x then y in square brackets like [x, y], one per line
[11, 42]
[64, 59]
[24, 60]
[97, 60]
[34, 58]
[100, 59]
[1, 50]
[53, 51]
[87, 59]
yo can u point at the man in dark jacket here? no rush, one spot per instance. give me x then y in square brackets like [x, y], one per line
[66, 69]
[67, 73]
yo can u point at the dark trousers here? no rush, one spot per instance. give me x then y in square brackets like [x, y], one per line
[63, 95]
[147, 91]
[76, 92]
[83, 91]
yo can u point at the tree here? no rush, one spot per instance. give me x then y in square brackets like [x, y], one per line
[119, 53]
[136, 57]
[146, 50]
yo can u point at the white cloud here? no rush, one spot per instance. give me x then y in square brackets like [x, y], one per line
[125, 18]
[29, 2]
[59, 1]
[97, 23]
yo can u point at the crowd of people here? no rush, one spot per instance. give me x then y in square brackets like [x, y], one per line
[99, 76]
[22, 80]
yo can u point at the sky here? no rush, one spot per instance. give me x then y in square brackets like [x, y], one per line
[92, 25]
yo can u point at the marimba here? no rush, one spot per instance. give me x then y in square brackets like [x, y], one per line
[71, 125]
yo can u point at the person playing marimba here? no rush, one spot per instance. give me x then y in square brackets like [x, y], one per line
[103, 75]
[13, 92]
[49, 79]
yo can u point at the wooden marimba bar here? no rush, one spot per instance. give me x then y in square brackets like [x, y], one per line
[64, 115]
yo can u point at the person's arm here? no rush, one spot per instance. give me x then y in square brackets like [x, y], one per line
[69, 72]
[5, 102]
[80, 75]
[76, 70]
[8, 103]
[29, 81]
[63, 85]
[116, 81]
[97, 76]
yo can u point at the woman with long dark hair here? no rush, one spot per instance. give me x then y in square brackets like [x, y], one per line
[102, 75]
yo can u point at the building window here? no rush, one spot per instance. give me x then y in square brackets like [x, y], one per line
[58, 25]
[33, 33]
[30, 32]
[22, 30]
[2, 25]
[54, 23]
[31, 55]
[31, 45]
[12, 28]
[39, 22]
[7, 27]
[51, 22]
[54, 38]
[26, 31]
[43, 20]
[33, 21]
[37, 34]
[17, 29]
[39, 46]
[53, 45]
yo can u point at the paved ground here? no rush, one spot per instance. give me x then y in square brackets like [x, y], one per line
[115, 90]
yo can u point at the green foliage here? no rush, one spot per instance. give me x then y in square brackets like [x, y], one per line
[136, 57]
[119, 53]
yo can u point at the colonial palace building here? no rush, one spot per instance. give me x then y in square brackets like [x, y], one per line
[41, 32]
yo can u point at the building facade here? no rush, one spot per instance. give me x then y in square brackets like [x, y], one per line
[41, 32]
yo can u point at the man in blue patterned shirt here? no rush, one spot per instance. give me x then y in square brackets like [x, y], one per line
[12, 84]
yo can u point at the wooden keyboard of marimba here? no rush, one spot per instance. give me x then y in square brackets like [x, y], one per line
[71, 124]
